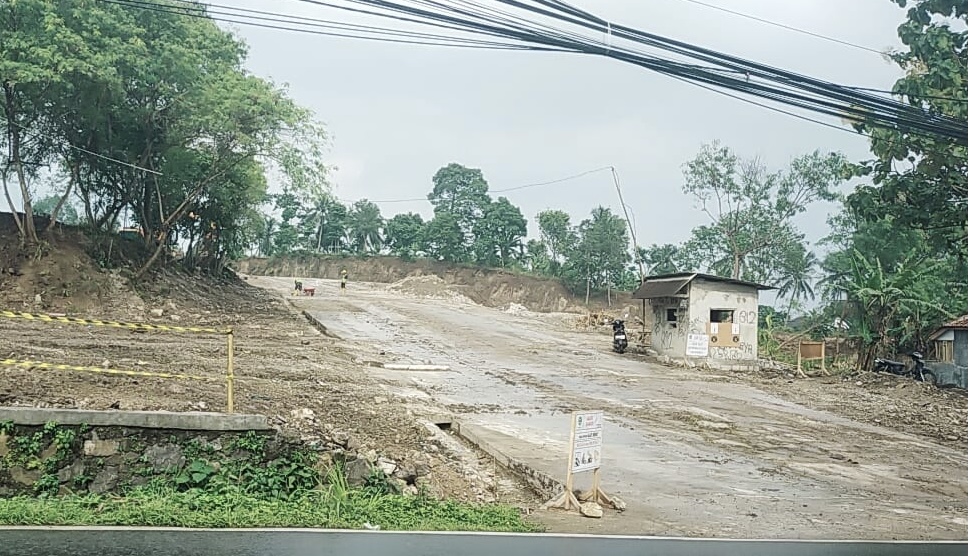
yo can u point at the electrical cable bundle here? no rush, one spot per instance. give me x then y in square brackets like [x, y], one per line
[553, 25]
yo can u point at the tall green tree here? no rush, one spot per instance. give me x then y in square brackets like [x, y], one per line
[365, 225]
[797, 276]
[558, 236]
[443, 238]
[498, 233]
[403, 234]
[661, 259]
[326, 220]
[462, 193]
[150, 112]
[537, 258]
[919, 180]
[751, 209]
[46, 50]
[599, 259]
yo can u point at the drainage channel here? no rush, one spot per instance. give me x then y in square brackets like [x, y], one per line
[108, 541]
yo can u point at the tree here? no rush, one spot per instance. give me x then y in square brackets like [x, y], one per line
[558, 235]
[919, 180]
[536, 257]
[498, 233]
[67, 214]
[462, 193]
[46, 50]
[403, 234]
[326, 220]
[796, 276]
[365, 225]
[443, 238]
[600, 257]
[751, 209]
[661, 259]
[884, 303]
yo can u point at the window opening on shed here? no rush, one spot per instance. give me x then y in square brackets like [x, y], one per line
[944, 351]
[721, 315]
[672, 316]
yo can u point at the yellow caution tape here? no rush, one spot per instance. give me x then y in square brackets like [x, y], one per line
[113, 324]
[59, 367]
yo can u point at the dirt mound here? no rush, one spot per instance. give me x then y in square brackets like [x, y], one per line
[484, 286]
[428, 286]
[60, 276]
[284, 368]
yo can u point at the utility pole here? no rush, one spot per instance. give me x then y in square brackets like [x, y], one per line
[635, 243]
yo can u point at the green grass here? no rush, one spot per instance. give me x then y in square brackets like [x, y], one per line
[163, 507]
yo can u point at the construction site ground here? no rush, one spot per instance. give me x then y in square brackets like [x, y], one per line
[691, 452]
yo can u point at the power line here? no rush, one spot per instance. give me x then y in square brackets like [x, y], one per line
[784, 26]
[522, 33]
[83, 150]
[789, 88]
[191, 8]
[516, 188]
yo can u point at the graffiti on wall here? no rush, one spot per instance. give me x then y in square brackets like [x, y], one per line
[741, 352]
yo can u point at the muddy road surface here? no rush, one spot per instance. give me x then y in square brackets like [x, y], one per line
[690, 451]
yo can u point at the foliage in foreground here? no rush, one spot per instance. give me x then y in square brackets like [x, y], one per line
[326, 508]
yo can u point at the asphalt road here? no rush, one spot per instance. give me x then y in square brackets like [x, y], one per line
[67, 541]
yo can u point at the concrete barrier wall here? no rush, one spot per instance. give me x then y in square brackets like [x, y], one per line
[950, 374]
[259, 542]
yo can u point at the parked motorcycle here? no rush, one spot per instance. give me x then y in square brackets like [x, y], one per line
[620, 340]
[918, 372]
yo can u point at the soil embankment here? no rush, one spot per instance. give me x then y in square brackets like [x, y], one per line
[484, 286]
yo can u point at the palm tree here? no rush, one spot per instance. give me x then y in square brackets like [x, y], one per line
[660, 259]
[796, 278]
[266, 246]
[365, 226]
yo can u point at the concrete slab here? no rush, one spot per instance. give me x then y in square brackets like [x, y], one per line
[201, 421]
[536, 468]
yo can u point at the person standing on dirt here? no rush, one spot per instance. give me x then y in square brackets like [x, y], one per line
[342, 279]
[298, 286]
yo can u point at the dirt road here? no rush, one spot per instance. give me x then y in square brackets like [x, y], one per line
[691, 452]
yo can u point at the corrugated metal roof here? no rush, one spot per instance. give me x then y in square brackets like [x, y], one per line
[668, 287]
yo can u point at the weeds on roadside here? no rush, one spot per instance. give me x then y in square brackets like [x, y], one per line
[332, 507]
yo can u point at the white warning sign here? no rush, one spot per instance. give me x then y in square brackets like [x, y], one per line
[586, 447]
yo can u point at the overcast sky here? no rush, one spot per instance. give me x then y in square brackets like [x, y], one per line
[398, 113]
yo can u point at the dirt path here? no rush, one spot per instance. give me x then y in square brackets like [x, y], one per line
[691, 452]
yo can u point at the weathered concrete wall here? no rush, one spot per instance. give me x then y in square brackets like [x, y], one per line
[669, 339]
[693, 316]
[62, 451]
[64, 459]
[961, 348]
[136, 419]
[744, 302]
[950, 374]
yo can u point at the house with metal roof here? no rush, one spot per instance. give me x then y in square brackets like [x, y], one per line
[703, 319]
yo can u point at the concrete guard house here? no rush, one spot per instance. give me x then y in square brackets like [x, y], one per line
[950, 346]
[703, 320]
